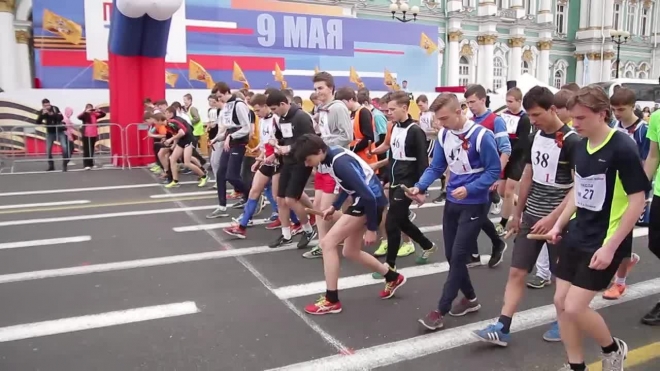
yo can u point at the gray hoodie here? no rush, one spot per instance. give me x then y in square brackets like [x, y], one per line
[335, 124]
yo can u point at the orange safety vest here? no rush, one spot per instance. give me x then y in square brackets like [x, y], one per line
[357, 135]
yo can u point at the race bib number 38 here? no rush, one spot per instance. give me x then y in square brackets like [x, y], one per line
[590, 192]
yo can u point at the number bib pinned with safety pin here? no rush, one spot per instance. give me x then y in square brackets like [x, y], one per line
[590, 191]
[545, 159]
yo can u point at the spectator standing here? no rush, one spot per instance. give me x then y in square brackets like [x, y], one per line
[51, 117]
[70, 131]
[90, 133]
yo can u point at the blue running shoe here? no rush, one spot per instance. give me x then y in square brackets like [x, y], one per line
[493, 334]
[552, 335]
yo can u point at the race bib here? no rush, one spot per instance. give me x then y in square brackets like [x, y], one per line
[511, 123]
[590, 191]
[286, 129]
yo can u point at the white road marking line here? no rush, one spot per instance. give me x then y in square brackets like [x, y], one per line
[133, 264]
[120, 317]
[404, 350]
[89, 189]
[45, 204]
[45, 242]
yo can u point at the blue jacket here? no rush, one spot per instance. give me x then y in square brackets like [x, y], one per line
[638, 134]
[499, 129]
[476, 168]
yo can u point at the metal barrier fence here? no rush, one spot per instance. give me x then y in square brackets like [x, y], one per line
[143, 151]
[26, 146]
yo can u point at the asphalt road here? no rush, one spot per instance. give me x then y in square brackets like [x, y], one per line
[105, 270]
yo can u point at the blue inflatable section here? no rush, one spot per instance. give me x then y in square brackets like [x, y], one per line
[135, 37]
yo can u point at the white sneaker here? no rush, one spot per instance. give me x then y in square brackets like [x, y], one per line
[496, 209]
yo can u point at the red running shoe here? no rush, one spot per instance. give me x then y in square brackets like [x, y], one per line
[391, 287]
[235, 231]
[323, 306]
[274, 225]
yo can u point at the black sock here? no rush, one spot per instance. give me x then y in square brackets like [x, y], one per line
[391, 275]
[332, 296]
[578, 366]
[506, 322]
[611, 348]
[503, 222]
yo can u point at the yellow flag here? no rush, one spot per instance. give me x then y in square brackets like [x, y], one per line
[238, 75]
[279, 76]
[100, 71]
[355, 78]
[316, 70]
[427, 44]
[68, 29]
[171, 78]
[388, 79]
[198, 73]
[396, 86]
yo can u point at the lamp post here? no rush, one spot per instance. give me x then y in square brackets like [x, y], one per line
[619, 38]
[404, 9]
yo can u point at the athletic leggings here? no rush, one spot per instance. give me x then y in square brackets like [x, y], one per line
[397, 222]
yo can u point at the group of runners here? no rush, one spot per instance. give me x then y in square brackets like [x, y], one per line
[569, 185]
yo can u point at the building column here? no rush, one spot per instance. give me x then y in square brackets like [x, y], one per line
[584, 15]
[608, 15]
[486, 8]
[543, 67]
[595, 14]
[453, 57]
[8, 46]
[515, 57]
[441, 60]
[454, 5]
[486, 55]
[607, 66]
[579, 69]
[23, 69]
[545, 13]
[517, 5]
[594, 73]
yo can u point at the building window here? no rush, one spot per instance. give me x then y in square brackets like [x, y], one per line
[642, 75]
[630, 22]
[630, 75]
[498, 73]
[560, 18]
[463, 72]
[616, 17]
[525, 67]
[644, 22]
[613, 72]
[559, 79]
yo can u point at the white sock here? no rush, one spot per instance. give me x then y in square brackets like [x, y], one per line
[473, 300]
[307, 227]
[286, 232]
[619, 280]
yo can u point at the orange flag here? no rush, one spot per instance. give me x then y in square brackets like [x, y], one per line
[68, 29]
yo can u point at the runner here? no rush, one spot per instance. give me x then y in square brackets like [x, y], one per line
[544, 192]
[407, 164]
[470, 153]
[335, 126]
[609, 196]
[476, 98]
[354, 228]
[623, 106]
[652, 318]
[426, 119]
[183, 142]
[519, 128]
[294, 123]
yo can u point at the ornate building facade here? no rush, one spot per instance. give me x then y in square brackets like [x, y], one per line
[479, 41]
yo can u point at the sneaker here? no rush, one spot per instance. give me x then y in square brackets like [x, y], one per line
[499, 228]
[202, 181]
[234, 195]
[186, 171]
[296, 229]
[536, 282]
[173, 184]
[314, 253]
[215, 185]
[433, 321]
[90, 168]
[261, 203]
[378, 276]
[498, 255]
[474, 261]
[440, 199]
[382, 248]
[411, 215]
[464, 306]
[391, 287]
[652, 318]
[235, 231]
[306, 238]
[275, 224]
[239, 204]
[614, 361]
[280, 241]
[615, 291]
[219, 212]
[552, 335]
[567, 367]
[239, 218]
[493, 334]
[423, 258]
[407, 248]
[323, 306]
[495, 209]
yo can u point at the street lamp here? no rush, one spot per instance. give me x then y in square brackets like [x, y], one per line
[619, 38]
[404, 9]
